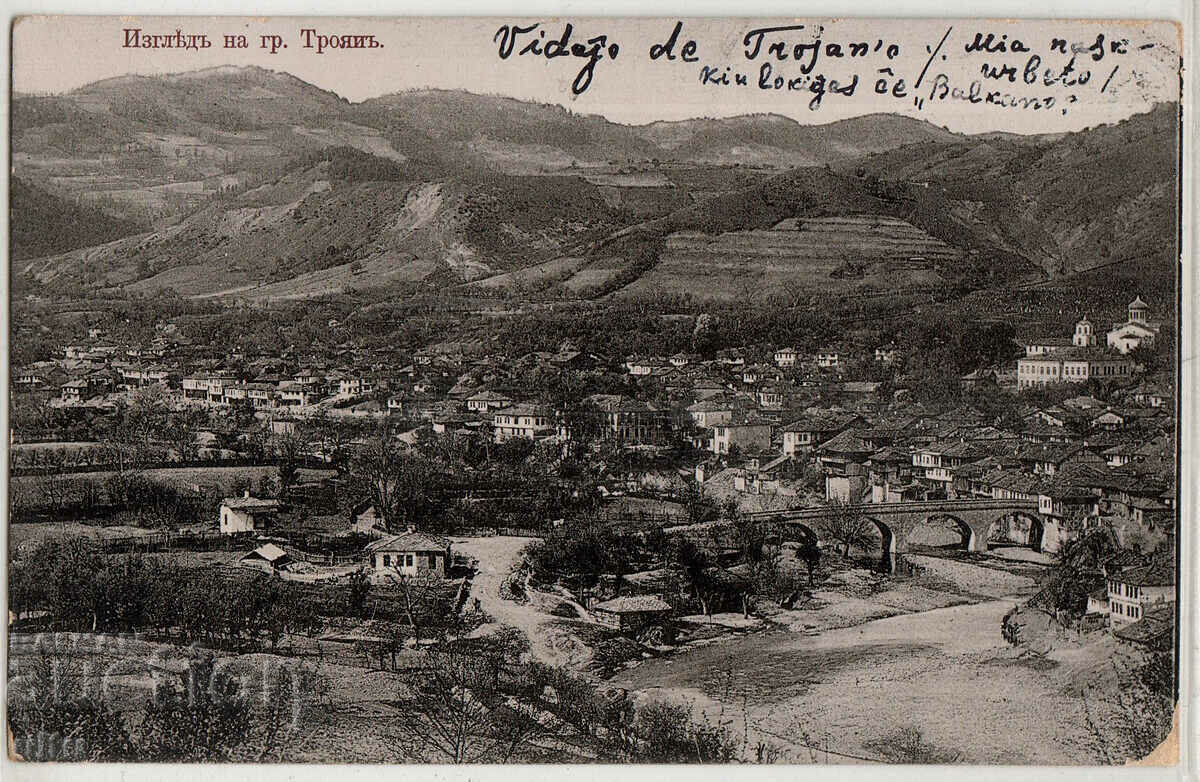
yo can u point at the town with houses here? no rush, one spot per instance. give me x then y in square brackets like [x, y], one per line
[1082, 463]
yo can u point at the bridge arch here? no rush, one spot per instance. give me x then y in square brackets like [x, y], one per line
[966, 531]
[794, 530]
[1017, 528]
[888, 539]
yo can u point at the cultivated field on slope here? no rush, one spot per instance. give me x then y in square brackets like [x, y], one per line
[375, 272]
[840, 254]
[537, 274]
[596, 275]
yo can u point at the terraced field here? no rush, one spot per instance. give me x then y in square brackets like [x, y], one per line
[833, 253]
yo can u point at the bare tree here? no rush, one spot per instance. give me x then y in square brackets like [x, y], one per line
[289, 448]
[909, 745]
[401, 483]
[848, 525]
[55, 487]
[182, 431]
[471, 703]
[419, 595]
[334, 437]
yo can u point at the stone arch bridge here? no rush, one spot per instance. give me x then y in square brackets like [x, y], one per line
[896, 520]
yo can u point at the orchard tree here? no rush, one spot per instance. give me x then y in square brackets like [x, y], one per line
[847, 525]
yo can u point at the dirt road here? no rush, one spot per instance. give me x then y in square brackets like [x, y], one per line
[496, 557]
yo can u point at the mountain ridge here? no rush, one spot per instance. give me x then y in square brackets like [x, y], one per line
[245, 176]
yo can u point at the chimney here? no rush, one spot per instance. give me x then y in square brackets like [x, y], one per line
[246, 494]
[411, 528]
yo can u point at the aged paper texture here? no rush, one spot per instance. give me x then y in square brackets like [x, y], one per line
[594, 391]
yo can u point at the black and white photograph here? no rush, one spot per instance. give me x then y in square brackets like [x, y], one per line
[655, 390]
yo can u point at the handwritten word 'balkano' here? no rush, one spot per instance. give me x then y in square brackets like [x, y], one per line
[593, 49]
[975, 93]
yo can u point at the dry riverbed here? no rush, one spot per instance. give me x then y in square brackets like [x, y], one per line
[866, 658]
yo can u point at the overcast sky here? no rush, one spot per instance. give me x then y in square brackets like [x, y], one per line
[57, 54]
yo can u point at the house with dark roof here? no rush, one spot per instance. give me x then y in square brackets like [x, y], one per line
[846, 448]
[631, 614]
[890, 473]
[410, 554]
[246, 514]
[630, 421]
[1134, 590]
[522, 420]
[1148, 394]
[1040, 346]
[1155, 629]
[484, 401]
[710, 412]
[977, 378]
[785, 357]
[1049, 458]
[743, 433]
[815, 428]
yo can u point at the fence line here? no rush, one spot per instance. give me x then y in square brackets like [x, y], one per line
[29, 470]
[328, 560]
[166, 541]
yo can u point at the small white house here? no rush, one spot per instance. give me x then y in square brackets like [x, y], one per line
[246, 514]
[267, 557]
[411, 554]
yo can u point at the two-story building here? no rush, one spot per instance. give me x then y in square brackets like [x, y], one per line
[295, 394]
[630, 421]
[1134, 590]
[1078, 363]
[76, 391]
[745, 434]
[829, 358]
[1072, 366]
[887, 354]
[487, 401]
[710, 412]
[806, 433]
[522, 420]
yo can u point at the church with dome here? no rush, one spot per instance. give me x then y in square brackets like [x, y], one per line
[1055, 360]
[1137, 331]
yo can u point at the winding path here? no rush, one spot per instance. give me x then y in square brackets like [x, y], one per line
[496, 557]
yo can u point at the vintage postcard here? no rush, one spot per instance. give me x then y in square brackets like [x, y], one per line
[594, 390]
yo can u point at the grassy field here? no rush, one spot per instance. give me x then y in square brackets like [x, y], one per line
[24, 537]
[531, 275]
[52, 446]
[30, 491]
